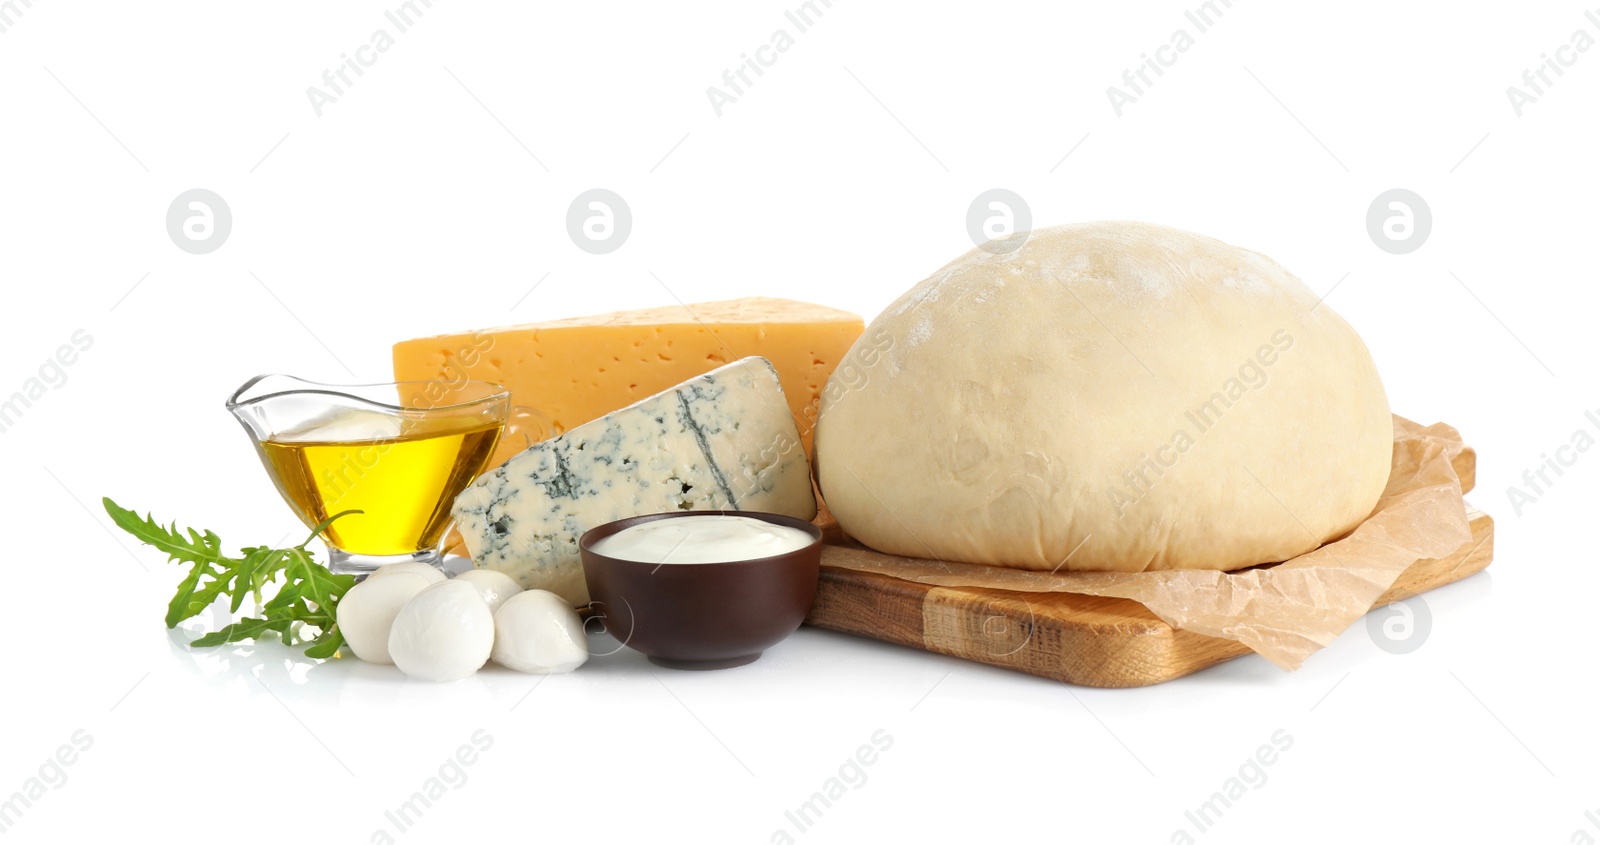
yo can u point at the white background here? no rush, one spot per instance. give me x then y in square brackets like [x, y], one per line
[432, 196]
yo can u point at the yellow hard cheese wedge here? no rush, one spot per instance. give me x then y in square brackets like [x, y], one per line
[564, 373]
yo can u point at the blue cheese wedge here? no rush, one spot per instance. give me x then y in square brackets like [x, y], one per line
[723, 441]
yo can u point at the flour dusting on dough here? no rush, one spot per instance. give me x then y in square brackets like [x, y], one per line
[920, 334]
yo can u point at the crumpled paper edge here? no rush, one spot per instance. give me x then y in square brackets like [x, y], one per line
[1286, 611]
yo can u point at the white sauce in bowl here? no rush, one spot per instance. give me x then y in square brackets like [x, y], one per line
[712, 538]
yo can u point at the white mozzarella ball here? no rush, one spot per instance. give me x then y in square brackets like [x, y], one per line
[538, 631]
[445, 633]
[409, 567]
[495, 587]
[367, 611]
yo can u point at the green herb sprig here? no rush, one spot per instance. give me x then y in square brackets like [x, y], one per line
[308, 596]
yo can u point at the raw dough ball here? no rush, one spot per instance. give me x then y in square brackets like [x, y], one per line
[432, 573]
[366, 613]
[494, 586]
[538, 631]
[1110, 396]
[445, 633]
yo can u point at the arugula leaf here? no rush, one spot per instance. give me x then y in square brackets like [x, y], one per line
[202, 551]
[326, 644]
[196, 549]
[251, 573]
[245, 629]
[308, 596]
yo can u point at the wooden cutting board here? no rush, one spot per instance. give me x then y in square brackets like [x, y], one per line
[1086, 640]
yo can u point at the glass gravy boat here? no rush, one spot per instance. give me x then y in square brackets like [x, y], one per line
[397, 453]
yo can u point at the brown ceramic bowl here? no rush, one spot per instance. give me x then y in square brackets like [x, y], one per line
[702, 615]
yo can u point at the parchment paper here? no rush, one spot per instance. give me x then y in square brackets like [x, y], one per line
[1284, 611]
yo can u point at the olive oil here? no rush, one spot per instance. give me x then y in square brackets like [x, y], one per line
[402, 484]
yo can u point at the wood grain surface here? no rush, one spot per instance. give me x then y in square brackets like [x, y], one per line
[1086, 640]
